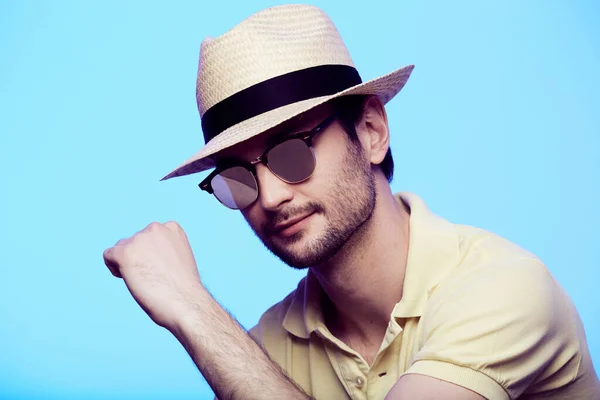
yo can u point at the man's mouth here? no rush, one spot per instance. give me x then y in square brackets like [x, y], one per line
[290, 226]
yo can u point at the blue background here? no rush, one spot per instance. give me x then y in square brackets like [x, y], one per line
[498, 127]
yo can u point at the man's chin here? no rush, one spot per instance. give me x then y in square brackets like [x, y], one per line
[296, 254]
[289, 241]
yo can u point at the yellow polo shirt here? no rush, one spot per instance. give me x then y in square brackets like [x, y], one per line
[477, 311]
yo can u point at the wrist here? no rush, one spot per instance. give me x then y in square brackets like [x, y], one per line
[191, 317]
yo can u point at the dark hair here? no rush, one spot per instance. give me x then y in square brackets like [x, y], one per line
[349, 111]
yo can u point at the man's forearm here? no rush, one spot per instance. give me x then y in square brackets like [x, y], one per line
[233, 364]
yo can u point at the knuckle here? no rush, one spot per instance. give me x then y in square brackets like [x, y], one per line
[154, 226]
[173, 225]
[120, 249]
[112, 256]
[127, 254]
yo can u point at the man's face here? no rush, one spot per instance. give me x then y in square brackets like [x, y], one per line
[307, 223]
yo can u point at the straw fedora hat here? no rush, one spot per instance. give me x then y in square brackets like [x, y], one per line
[271, 67]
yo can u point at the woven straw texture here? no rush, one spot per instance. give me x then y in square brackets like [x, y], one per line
[271, 43]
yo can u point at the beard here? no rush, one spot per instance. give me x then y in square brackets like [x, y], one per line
[347, 206]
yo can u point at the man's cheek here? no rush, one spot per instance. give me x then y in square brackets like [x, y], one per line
[256, 223]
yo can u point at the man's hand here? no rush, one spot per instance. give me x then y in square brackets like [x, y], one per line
[158, 267]
[159, 270]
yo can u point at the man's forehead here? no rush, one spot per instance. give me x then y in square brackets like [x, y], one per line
[253, 147]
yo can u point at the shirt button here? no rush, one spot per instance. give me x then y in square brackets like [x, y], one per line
[359, 382]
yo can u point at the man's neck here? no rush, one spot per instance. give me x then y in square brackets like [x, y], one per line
[364, 281]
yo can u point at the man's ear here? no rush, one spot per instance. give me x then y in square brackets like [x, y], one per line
[373, 130]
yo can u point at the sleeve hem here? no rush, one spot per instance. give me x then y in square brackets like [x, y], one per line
[468, 378]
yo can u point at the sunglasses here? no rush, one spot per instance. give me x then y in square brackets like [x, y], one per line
[292, 160]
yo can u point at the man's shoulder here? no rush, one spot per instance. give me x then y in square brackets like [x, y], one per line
[489, 264]
[496, 260]
[501, 296]
[480, 247]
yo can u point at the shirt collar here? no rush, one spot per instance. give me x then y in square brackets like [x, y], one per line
[433, 251]
[304, 313]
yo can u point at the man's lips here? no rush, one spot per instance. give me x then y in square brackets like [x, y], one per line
[282, 226]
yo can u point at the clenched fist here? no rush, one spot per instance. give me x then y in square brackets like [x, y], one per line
[158, 267]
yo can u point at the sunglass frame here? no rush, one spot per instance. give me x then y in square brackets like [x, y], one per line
[306, 137]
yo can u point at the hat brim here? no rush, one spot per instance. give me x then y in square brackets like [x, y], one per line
[385, 87]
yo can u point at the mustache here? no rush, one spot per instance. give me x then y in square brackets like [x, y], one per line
[277, 217]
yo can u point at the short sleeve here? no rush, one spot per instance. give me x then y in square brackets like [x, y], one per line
[501, 329]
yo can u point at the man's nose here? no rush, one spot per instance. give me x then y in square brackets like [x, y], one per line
[272, 191]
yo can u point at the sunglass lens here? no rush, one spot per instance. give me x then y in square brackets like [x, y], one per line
[235, 187]
[293, 160]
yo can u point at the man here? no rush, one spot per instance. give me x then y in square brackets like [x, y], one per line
[397, 302]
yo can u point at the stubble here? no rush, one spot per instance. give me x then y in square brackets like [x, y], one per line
[348, 205]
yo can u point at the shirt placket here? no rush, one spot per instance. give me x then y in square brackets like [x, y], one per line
[359, 380]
